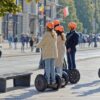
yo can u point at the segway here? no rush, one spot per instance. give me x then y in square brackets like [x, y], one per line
[62, 81]
[65, 79]
[41, 83]
[74, 74]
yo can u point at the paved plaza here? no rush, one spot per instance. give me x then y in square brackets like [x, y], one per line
[88, 87]
[88, 62]
[24, 23]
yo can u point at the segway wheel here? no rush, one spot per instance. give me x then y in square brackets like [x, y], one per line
[66, 79]
[58, 82]
[40, 83]
[74, 76]
[99, 73]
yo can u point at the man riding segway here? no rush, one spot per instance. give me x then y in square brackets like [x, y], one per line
[71, 41]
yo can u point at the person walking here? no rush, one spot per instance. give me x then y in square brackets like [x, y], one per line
[89, 40]
[95, 40]
[61, 49]
[71, 41]
[15, 42]
[10, 41]
[26, 40]
[49, 52]
[22, 43]
[31, 44]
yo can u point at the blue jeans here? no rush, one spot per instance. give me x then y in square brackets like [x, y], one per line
[50, 70]
[59, 70]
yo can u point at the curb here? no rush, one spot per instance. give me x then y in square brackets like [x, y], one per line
[29, 54]
[87, 49]
[81, 59]
[16, 55]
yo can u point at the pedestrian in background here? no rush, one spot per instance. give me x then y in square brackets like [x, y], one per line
[61, 49]
[89, 40]
[10, 39]
[37, 41]
[71, 41]
[49, 52]
[15, 42]
[26, 40]
[22, 43]
[95, 40]
[31, 44]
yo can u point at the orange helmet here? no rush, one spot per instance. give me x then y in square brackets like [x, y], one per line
[56, 22]
[50, 25]
[72, 25]
[59, 28]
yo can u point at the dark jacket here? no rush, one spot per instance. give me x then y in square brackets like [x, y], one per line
[72, 40]
[15, 40]
[31, 43]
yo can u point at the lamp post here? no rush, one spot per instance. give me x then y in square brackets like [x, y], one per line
[44, 14]
[95, 38]
[0, 29]
[95, 14]
[94, 24]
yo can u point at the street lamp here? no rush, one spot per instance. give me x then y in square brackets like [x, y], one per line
[95, 14]
[47, 6]
[94, 26]
[44, 13]
[95, 38]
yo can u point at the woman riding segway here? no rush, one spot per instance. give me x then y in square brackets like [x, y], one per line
[61, 52]
[49, 54]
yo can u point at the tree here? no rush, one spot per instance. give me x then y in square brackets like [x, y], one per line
[72, 14]
[97, 15]
[29, 1]
[85, 13]
[9, 6]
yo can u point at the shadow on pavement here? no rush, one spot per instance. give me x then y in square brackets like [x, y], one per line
[88, 92]
[86, 84]
[23, 96]
[28, 93]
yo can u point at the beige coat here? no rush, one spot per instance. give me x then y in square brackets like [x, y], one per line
[49, 46]
[61, 51]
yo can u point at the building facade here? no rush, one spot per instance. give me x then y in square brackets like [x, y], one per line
[30, 21]
[22, 23]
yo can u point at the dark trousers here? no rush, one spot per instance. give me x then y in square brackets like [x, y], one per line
[71, 60]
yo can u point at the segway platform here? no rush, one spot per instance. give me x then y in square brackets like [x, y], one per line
[74, 74]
